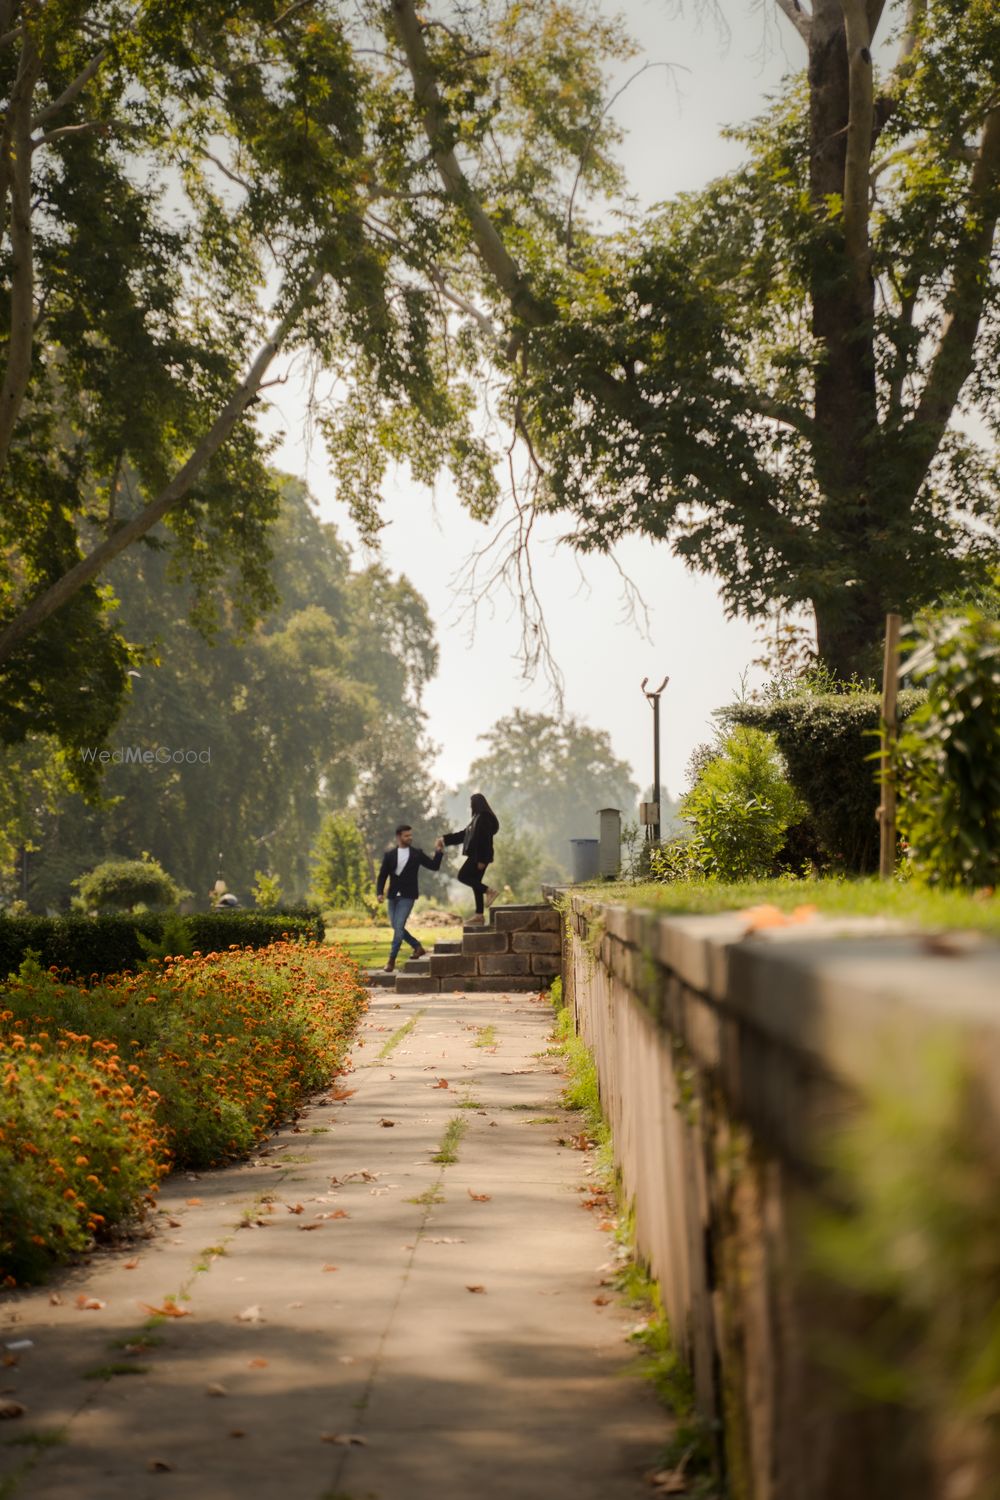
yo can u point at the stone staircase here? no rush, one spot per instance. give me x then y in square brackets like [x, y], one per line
[519, 948]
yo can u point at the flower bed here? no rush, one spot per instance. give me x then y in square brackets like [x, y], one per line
[184, 1065]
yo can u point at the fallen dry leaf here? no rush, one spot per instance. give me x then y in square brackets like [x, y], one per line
[442, 1083]
[130, 1265]
[194, 1202]
[669, 1482]
[344, 1438]
[760, 918]
[55, 1300]
[295, 1208]
[475, 1289]
[237, 1432]
[601, 1301]
[256, 1364]
[307, 1227]
[11, 1409]
[251, 1315]
[339, 1094]
[331, 1268]
[953, 944]
[216, 1390]
[175, 1223]
[89, 1304]
[159, 1466]
[479, 1197]
[168, 1310]
[387, 1123]
[8, 1361]
[606, 1224]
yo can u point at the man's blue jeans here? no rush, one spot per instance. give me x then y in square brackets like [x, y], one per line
[399, 912]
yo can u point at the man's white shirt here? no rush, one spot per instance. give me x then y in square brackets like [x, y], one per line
[402, 855]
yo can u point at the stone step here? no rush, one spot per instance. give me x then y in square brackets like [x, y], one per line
[421, 984]
[446, 948]
[416, 966]
[378, 979]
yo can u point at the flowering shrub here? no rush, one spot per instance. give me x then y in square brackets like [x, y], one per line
[185, 1065]
[79, 1144]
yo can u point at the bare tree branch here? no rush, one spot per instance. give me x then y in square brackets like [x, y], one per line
[45, 604]
[48, 136]
[434, 118]
[585, 153]
[463, 304]
[800, 19]
[860, 124]
[953, 359]
[71, 91]
[912, 35]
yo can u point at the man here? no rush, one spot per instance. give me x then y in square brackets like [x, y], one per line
[401, 869]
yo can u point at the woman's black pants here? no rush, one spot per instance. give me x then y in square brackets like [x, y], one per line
[472, 876]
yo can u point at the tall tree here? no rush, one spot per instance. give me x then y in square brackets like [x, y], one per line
[790, 375]
[185, 192]
[253, 736]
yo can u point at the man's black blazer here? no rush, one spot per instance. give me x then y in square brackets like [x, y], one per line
[407, 883]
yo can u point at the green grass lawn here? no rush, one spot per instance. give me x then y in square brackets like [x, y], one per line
[871, 898]
[370, 945]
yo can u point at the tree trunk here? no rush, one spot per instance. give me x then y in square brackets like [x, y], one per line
[845, 443]
[849, 630]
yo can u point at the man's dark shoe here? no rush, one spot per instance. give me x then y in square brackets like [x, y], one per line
[419, 952]
[390, 967]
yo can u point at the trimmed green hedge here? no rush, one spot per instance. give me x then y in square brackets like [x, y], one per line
[827, 740]
[109, 945]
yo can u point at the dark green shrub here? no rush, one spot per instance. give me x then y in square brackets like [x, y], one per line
[109, 945]
[949, 756]
[827, 740]
[121, 884]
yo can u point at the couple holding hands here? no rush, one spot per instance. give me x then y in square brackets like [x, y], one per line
[399, 874]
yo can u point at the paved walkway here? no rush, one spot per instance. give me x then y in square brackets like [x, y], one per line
[342, 1340]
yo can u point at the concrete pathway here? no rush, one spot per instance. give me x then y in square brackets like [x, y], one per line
[362, 1322]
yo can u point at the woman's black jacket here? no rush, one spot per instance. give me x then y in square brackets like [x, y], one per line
[477, 839]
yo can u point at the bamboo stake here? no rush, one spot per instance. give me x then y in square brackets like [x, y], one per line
[890, 728]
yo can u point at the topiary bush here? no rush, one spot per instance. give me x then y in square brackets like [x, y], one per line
[949, 757]
[827, 739]
[122, 884]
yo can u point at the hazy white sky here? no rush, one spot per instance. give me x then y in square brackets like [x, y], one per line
[673, 118]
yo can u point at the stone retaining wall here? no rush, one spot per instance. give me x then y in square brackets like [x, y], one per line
[726, 1062]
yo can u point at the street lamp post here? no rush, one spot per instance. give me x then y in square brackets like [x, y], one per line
[651, 810]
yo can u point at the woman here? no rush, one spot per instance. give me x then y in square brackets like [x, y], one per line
[477, 846]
